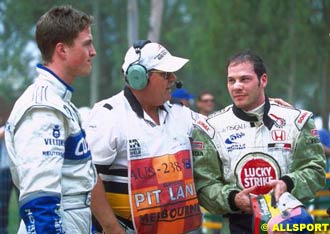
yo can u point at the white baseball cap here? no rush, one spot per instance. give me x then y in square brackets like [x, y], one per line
[154, 56]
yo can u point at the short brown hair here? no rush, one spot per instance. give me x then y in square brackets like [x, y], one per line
[59, 24]
[249, 56]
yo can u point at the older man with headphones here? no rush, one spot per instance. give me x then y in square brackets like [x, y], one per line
[140, 145]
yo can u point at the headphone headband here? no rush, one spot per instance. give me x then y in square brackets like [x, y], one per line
[137, 74]
[139, 44]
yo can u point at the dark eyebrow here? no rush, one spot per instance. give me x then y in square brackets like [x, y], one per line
[88, 41]
[245, 76]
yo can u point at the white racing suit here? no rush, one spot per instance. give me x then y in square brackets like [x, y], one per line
[234, 151]
[50, 160]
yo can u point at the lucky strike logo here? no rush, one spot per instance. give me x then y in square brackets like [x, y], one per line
[257, 171]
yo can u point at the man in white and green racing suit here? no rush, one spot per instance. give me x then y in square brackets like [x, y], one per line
[253, 147]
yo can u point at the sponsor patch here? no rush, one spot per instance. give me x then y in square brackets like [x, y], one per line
[236, 147]
[197, 145]
[257, 169]
[302, 117]
[232, 142]
[312, 141]
[56, 131]
[76, 147]
[52, 141]
[52, 153]
[279, 146]
[197, 153]
[278, 121]
[134, 148]
[278, 135]
[314, 132]
[233, 137]
[235, 127]
[203, 125]
[186, 163]
[161, 54]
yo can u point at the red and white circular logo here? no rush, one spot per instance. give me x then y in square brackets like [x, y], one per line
[257, 169]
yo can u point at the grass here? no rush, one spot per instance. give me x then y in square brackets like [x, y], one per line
[13, 214]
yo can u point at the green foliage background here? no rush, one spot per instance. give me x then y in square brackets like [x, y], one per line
[291, 36]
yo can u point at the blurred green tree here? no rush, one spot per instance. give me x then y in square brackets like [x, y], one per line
[291, 36]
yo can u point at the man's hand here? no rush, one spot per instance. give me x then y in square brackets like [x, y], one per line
[242, 200]
[115, 230]
[280, 101]
[103, 211]
[279, 187]
[326, 150]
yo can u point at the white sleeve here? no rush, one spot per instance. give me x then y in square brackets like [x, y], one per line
[39, 143]
[102, 134]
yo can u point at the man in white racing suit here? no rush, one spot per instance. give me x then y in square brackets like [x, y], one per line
[141, 148]
[254, 147]
[50, 160]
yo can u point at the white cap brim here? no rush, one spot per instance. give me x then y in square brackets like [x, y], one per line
[171, 64]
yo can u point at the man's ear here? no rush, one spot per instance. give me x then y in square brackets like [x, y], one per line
[60, 50]
[264, 80]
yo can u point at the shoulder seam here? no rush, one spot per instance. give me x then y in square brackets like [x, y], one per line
[220, 112]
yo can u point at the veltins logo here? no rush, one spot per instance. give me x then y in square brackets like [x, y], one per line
[257, 169]
[56, 131]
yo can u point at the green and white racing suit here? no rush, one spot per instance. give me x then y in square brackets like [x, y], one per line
[233, 151]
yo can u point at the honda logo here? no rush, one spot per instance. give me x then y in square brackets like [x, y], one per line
[278, 135]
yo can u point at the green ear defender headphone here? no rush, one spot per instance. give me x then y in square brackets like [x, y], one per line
[137, 74]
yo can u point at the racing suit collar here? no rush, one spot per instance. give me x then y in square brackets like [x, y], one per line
[134, 103]
[268, 122]
[62, 88]
[40, 66]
